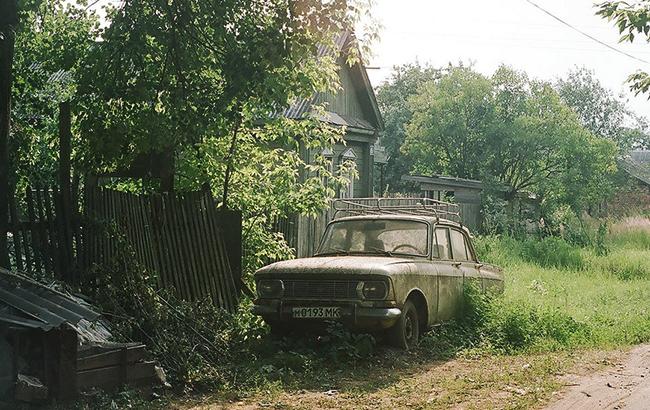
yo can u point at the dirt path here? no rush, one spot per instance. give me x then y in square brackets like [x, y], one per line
[406, 381]
[624, 386]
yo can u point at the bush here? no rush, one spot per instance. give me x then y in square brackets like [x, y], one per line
[625, 264]
[494, 324]
[633, 238]
[552, 252]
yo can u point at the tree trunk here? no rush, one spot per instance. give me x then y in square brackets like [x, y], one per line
[8, 21]
[65, 204]
[229, 163]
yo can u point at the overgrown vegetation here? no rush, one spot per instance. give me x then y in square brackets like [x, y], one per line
[559, 296]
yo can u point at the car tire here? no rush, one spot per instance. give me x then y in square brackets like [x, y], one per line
[405, 334]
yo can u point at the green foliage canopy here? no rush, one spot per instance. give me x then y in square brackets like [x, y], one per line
[600, 111]
[52, 42]
[508, 130]
[392, 97]
[632, 20]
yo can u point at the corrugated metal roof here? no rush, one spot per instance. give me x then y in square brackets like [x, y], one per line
[27, 303]
[299, 108]
[641, 156]
[636, 168]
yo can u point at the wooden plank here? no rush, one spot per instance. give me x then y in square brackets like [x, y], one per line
[148, 223]
[52, 233]
[112, 357]
[157, 228]
[188, 247]
[172, 244]
[17, 234]
[222, 294]
[193, 210]
[209, 247]
[43, 232]
[34, 231]
[109, 377]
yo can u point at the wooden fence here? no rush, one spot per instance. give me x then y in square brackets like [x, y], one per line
[185, 241]
[179, 237]
[41, 240]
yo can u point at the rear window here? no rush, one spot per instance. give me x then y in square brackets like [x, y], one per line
[458, 246]
[442, 249]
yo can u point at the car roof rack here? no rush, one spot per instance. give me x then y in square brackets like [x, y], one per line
[394, 206]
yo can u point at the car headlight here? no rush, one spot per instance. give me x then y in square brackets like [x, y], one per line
[270, 288]
[373, 290]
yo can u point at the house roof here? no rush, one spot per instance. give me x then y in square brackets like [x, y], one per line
[637, 165]
[302, 107]
[445, 181]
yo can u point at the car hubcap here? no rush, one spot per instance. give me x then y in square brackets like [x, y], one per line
[408, 329]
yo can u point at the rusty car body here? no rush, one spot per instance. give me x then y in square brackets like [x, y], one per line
[392, 265]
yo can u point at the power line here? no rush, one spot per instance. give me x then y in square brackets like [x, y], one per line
[586, 34]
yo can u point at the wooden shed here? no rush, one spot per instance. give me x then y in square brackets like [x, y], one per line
[464, 192]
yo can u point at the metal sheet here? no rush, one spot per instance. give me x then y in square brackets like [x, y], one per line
[30, 304]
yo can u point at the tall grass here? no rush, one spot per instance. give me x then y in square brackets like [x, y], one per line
[559, 295]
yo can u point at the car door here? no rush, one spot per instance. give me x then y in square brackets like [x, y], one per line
[450, 275]
[464, 257]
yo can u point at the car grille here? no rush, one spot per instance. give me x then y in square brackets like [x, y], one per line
[320, 289]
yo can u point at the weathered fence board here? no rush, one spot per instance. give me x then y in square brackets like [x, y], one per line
[180, 238]
[40, 238]
[184, 240]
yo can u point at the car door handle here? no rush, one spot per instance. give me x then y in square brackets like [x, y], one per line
[479, 265]
[457, 264]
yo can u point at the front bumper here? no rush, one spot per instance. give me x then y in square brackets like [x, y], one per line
[351, 313]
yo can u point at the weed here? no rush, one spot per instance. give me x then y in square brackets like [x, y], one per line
[552, 252]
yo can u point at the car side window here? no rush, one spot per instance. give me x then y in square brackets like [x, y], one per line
[458, 246]
[441, 248]
[470, 253]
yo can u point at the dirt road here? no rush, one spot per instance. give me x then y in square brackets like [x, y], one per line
[624, 386]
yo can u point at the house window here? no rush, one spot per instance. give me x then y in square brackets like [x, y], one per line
[348, 156]
[328, 156]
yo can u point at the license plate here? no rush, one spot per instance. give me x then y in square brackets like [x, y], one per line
[317, 312]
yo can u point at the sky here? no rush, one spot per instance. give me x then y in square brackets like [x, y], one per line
[512, 32]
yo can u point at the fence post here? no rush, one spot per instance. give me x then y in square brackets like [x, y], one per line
[65, 193]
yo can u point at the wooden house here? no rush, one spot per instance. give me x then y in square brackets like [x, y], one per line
[633, 194]
[468, 194]
[355, 108]
[464, 192]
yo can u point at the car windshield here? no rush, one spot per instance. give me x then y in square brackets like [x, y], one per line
[384, 236]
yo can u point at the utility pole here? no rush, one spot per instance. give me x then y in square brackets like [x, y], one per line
[8, 23]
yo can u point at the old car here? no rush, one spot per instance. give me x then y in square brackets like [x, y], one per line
[391, 265]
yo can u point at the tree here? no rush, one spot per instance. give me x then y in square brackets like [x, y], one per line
[449, 124]
[392, 97]
[51, 48]
[8, 24]
[511, 131]
[203, 82]
[166, 76]
[632, 20]
[599, 110]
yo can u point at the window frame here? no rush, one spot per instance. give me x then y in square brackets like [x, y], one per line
[435, 237]
[469, 248]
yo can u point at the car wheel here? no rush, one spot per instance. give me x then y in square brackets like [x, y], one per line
[405, 334]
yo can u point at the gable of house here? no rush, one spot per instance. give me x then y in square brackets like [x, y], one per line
[354, 107]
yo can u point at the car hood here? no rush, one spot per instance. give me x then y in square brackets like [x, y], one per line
[325, 266]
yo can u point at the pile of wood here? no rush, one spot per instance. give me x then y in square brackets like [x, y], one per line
[110, 365]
